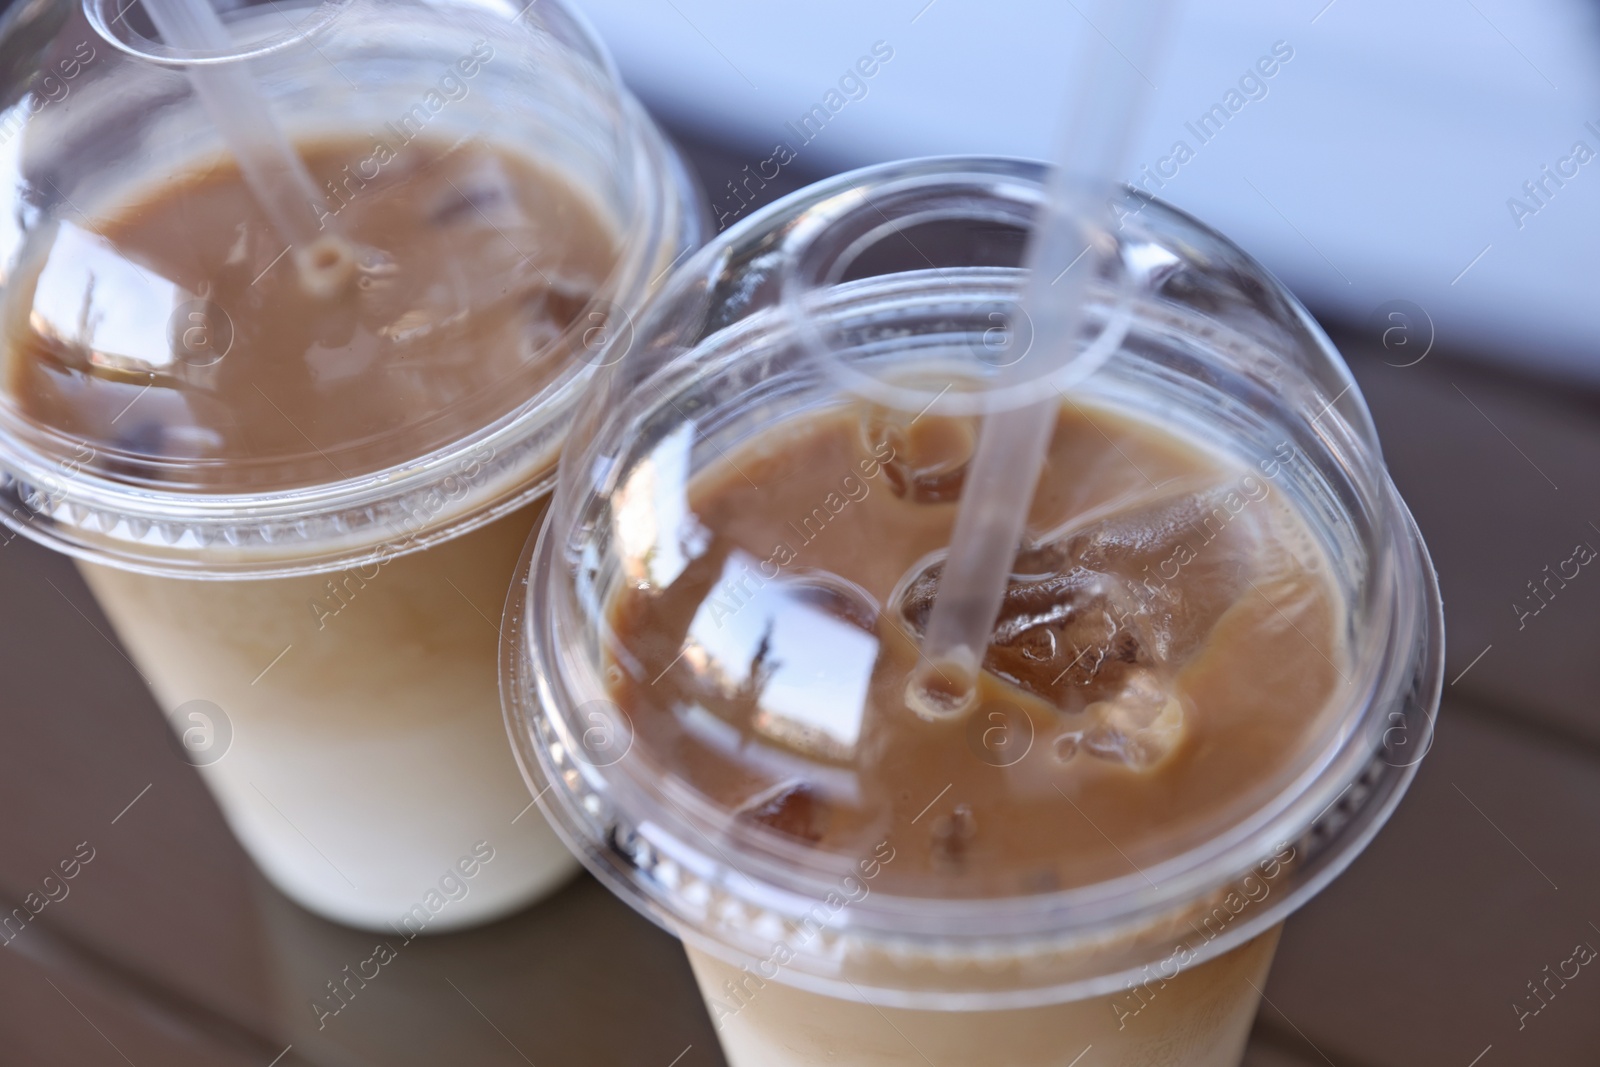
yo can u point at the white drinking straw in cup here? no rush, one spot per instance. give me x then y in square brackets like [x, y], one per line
[275, 174]
[1103, 111]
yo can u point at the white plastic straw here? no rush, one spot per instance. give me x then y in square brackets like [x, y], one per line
[276, 176]
[1103, 109]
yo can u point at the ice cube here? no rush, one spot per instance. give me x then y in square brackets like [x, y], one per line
[1056, 636]
[792, 808]
[1140, 724]
[1183, 556]
[1103, 606]
[928, 454]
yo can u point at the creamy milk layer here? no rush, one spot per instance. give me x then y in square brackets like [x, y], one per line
[1201, 1018]
[367, 754]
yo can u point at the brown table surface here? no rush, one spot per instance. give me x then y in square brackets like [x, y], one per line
[171, 950]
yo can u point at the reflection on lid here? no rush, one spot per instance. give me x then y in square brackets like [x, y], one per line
[805, 670]
[656, 532]
[170, 335]
[91, 298]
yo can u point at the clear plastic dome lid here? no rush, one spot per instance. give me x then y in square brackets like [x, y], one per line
[725, 612]
[486, 208]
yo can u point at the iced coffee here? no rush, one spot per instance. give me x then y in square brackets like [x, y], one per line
[301, 505]
[1215, 617]
[365, 696]
[1168, 645]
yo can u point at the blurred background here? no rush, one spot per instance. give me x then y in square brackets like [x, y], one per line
[1379, 161]
[1423, 175]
